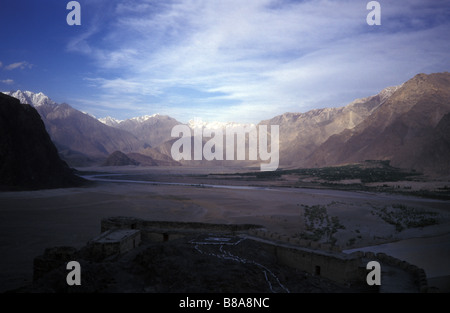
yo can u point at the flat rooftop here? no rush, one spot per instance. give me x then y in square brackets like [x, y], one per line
[115, 235]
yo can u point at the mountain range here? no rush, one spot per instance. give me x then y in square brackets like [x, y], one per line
[82, 139]
[410, 128]
[152, 130]
[406, 124]
[302, 133]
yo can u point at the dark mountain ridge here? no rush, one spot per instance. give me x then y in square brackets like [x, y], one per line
[28, 157]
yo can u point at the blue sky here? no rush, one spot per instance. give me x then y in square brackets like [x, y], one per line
[228, 60]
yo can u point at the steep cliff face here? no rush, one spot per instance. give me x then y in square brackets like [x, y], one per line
[28, 158]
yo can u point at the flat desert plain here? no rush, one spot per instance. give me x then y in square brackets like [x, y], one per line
[31, 221]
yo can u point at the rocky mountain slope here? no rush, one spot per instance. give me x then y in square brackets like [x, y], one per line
[410, 129]
[28, 157]
[302, 133]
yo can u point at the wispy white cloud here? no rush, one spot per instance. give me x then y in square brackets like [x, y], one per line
[7, 81]
[18, 65]
[80, 43]
[124, 86]
[251, 60]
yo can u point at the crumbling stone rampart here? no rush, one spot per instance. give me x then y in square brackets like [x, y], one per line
[312, 257]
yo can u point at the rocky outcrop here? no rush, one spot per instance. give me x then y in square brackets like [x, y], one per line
[143, 160]
[118, 158]
[28, 157]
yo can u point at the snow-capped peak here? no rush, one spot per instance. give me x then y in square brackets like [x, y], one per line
[198, 123]
[141, 119]
[110, 121]
[29, 97]
[89, 114]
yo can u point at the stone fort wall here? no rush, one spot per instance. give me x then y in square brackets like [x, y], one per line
[310, 256]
